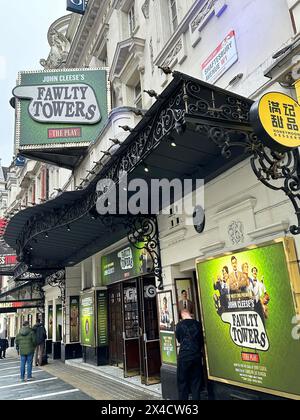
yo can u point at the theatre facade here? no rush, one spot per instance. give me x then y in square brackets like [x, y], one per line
[114, 283]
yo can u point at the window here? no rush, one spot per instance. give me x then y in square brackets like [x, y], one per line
[173, 14]
[138, 96]
[295, 15]
[174, 219]
[131, 20]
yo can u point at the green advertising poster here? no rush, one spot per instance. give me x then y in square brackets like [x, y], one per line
[129, 262]
[58, 322]
[102, 318]
[74, 319]
[50, 322]
[63, 107]
[87, 317]
[168, 348]
[248, 309]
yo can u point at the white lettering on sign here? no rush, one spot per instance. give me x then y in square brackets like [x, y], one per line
[126, 259]
[224, 56]
[247, 330]
[75, 103]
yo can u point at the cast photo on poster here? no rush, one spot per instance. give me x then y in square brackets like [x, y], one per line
[184, 296]
[166, 317]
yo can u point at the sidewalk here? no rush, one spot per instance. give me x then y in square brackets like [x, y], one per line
[95, 383]
[117, 375]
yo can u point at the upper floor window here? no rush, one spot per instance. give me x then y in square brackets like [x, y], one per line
[173, 14]
[138, 96]
[295, 15]
[132, 20]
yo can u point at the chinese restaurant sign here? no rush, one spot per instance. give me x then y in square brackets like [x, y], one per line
[220, 60]
[87, 316]
[276, 119]
[65, 107]
[127, 263]
[248, 309]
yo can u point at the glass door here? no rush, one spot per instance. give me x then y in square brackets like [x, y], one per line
[149, 339]
[131, 330]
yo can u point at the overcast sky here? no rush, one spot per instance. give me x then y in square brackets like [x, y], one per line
[23, 42]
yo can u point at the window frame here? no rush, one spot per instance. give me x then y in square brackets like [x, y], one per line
[173, 16]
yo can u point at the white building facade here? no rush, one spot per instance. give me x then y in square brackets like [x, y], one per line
[229, 44]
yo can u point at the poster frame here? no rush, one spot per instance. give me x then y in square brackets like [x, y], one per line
[78, 319]
[170, 332]
[82, 296]
[191, 297]
[290, 251]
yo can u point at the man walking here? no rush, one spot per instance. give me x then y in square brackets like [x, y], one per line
[189, 366]
[3, 347]
[25, 344]
[41, 337]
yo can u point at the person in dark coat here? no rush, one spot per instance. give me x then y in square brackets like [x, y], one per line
[25, 344]
[189, 365]
[3, 347]
[41, 337]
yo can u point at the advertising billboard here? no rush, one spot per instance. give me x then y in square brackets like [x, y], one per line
[87, 319]
[74, 319]
[8, 258]
[248, 308]
[58, 108]
[275, 118]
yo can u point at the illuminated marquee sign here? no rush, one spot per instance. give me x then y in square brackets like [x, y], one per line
[8, 258]
[276, 120]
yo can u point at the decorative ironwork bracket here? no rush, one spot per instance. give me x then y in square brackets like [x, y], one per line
[280, 172]
[143, 234]
[277, 171]
[37, 287]
[58, 279]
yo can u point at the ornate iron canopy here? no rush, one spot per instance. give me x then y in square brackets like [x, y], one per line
[212, 130]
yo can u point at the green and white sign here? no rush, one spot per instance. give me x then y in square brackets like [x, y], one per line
[168, 348]
[87, 316]
[61, 108]
[248, 310]
[102, 318]
[129, 262]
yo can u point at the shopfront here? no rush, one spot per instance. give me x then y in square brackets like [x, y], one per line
[197, 131]
[133, 333]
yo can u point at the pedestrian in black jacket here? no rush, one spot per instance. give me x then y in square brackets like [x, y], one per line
[189, 365]
[41, 337]
[3, 347]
